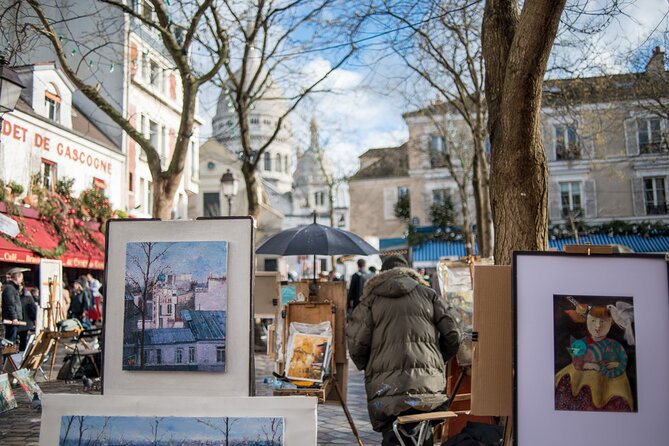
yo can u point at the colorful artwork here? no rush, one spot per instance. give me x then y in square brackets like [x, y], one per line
[288, 294]
[164, 431]
[7, 400]
[307, 357]
[462, 305]
[175, 306]
[595, 353]
[27, 382]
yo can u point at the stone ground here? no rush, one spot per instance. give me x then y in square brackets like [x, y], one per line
[20, 426]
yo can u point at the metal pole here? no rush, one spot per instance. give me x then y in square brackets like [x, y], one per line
[229, 197]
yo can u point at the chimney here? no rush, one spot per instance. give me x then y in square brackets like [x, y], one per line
[656, 63]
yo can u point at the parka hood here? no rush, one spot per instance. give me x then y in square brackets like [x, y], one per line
[395, 282]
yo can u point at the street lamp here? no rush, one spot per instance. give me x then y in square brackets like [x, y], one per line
[10, 88]
[229, 187]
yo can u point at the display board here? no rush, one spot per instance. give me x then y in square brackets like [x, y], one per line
[179, 307]
[124, 419]
[51, 294]
[591, 357]
[266, 294]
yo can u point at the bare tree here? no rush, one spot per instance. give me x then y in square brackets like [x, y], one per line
[147, 271]
[225, 426]
[181, 28]
[270, 49]
[273, 432]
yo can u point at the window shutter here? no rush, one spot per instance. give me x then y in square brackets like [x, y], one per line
[637, 196]
[590, 199]
[631, 140]
[389, 200]
[554, 213]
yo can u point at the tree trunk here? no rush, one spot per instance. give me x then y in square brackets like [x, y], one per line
[481, 186]
[466, 220]
[516, 49]
[252, 190]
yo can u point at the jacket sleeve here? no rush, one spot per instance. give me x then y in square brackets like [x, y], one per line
[31, 309]
[359, 334]
[8, 303]
[449, 333]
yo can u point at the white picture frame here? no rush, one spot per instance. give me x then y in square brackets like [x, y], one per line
[298, 413]
[540, 280]
[237, 379]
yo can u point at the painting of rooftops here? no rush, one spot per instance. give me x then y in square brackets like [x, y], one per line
[168, 431]
[175, 306]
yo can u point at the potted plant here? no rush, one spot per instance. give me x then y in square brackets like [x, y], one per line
[15, 189]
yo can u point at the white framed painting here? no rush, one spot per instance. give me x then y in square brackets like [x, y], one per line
[102, 420]
[179, 307]
[592, 354]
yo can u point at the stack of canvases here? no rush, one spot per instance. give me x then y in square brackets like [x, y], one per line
[178, 354]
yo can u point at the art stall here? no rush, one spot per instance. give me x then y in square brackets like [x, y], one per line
[178, 357]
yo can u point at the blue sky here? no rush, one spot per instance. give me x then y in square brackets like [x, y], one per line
[140, 428]
[198, 258]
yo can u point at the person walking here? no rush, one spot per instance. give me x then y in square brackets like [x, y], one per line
[29, 307]
[80, 299]
[12, 310]
[357, 282]
[401, 334]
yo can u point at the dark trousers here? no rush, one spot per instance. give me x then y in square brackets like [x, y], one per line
[23, 339]
[390, 439]
[10, 332]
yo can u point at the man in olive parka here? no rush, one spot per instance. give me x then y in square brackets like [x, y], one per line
[401, 334]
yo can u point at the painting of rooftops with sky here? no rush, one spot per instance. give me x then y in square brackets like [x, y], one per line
[176, 296]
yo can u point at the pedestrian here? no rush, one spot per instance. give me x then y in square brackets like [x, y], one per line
[80, 300]
[356, 285]
[29, 307]
[65, 304]
[12, 310]
[401, 334]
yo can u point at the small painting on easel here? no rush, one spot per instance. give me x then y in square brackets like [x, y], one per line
[595, 353]
[307, 357]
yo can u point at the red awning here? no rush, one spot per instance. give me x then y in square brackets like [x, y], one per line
[85, 251]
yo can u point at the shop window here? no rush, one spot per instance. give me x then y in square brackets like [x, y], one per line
[566, 143]
[52, 103]
[570, 199]
[655, 195]
[48, 174]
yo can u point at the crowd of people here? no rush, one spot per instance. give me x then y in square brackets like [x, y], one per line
[21, 301]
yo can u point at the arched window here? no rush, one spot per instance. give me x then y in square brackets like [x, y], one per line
[267, 158]
[278, 162]
[52, 103]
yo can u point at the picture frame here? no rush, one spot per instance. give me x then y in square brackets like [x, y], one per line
[578, 369]
[236, 377]
[298, 414]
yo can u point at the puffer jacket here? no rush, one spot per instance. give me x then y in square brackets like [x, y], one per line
[401, 334]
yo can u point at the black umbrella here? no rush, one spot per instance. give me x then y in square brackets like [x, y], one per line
[315, 239]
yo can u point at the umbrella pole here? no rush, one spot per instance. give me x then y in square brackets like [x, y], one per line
[314, 269]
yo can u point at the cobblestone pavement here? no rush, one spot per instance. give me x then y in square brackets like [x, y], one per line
[20, 426]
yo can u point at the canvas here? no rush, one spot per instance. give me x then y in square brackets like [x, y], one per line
[288, 294]
[175, 306]
[7, 400]
[307, 357]
[27, 382]
[165, 431]
[595, 355]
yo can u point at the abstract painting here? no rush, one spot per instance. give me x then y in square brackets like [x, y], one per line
[307, 356]
[167, 431]
[27, 382]
[7, 400]
[175, 306]
[595, 353]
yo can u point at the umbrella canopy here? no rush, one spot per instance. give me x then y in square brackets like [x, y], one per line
[315, 239]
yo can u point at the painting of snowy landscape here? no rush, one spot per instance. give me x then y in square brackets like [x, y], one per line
[164, 431]
[175, 306]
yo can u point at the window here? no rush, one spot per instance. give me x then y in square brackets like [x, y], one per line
[179, 356]
[402, 191]
[650, 135]
[131, 182]
[149, 197]
[164, 149]
[278, 163]
[146, 9]
[285, 163]
[570, 198]
[191, 355]
[254, 120]
[155, 75]
[440, 196]
[145, 65]
[169, 309]
[654, 196]
[194, 165]
[220, 354]
[159, 356]
[52, 103]
[211, 204]
[268, 161]
[437, 151]
[148, 356]
[153, 134]
[566, 143]
[271, 265]
[48, 174]
[142, 196]
[319, 198]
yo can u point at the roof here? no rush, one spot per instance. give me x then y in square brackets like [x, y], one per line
[166, 336]
[383, 162]
[205, 325]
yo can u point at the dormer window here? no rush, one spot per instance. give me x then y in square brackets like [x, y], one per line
[52, 103]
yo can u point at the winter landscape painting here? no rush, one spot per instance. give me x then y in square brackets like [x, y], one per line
[175, 306]
[164, 431]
